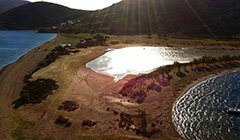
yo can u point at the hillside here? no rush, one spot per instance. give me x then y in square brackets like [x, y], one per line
[205, 17]
[6, 5]
[39, 14]
[179, 17]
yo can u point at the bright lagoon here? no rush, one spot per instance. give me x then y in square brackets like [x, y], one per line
[14, 44]
[134, 60]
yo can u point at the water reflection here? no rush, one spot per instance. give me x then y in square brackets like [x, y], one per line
[134, 60]
[199, 114]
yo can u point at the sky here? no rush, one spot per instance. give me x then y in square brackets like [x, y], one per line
[83, 4]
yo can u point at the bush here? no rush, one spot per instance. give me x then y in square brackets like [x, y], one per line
[36, 91]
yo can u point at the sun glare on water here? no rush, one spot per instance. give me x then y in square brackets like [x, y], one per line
[121, 62]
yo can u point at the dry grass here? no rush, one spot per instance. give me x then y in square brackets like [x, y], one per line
[160, 40]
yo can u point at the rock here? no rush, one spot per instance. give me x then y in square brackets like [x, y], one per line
[115, 112]
[138, 124]
[68, 106]
[88, 123]
[63, 121]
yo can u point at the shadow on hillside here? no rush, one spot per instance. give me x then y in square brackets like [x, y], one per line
[180, 74]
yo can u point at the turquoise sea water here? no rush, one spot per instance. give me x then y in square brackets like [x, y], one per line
[14, 44]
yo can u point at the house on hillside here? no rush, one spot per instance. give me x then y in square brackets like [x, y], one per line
[63, 24]
[65, 45]
[70, 22]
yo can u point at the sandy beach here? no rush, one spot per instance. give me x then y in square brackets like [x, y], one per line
[97, 96]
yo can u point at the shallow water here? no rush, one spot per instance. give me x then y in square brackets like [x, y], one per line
[14, 44]
[134, 60]
[199, 114]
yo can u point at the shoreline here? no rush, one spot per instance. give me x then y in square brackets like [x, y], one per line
[183, 90]
[194, 82]
[20, 57]
[188, 86]
[11, 81]
[75, 77]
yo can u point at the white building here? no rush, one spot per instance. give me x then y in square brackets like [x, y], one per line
[63, 24]
[70, 22]
[65, 45]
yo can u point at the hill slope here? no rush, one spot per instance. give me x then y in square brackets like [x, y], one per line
[191, 17]
[6, 5]
[35, 15]
[180, 17]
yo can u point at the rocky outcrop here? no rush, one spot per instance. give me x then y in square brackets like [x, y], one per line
[68, 106]
[139, 88]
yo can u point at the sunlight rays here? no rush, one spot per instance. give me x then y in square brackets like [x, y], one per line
[139, 24]
[125, 10]
[201, 20]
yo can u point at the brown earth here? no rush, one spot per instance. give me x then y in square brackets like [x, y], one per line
[98, 98]
[11, 81]
[96, 95]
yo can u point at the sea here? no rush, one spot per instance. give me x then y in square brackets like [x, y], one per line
[14, 44]
[200, 113]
